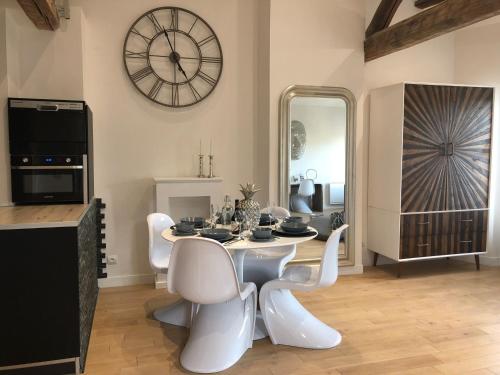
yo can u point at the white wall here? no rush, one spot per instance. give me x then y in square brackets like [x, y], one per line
[477, 57]
[44, 64]
[136, 139]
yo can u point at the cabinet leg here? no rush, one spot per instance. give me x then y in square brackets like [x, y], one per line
[399, 269]
[375, 259]
[478, 266]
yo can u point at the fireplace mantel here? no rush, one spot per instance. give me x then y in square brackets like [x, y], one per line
[186, 196]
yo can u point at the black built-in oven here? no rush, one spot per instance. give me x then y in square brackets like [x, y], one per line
[51, 151]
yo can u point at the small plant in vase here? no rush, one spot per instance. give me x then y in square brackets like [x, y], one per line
[248, 205]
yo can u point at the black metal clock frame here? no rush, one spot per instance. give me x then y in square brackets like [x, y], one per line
[174, 58]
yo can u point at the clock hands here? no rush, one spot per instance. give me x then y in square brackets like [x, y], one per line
[176, 55]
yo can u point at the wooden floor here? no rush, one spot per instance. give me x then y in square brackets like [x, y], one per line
[441, 317]
[313, 249]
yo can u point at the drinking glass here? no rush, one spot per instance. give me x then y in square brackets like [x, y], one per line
[214, 214]
[239, 218]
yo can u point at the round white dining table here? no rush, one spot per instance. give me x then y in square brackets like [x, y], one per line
[239, 248]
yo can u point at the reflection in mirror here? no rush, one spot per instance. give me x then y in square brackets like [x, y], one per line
[315, 129]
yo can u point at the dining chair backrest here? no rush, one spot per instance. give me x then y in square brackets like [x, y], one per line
[277, 211]
[306, 187]
[202, 271]
[159, 248]
[329, 268]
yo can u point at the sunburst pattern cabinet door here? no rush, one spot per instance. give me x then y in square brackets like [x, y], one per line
[446, 148]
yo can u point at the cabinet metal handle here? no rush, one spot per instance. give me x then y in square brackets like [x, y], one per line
[466, 220]
[423, 223]
[47, 108]
[423, 244]
[465, 241]
[450, 149]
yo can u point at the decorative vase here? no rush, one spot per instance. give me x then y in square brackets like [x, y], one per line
[248, 205]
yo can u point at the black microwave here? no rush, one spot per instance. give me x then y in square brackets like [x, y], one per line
[50, 151]
[50, 179]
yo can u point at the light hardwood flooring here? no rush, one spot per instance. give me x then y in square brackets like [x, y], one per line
[314, 249]
[441, 317]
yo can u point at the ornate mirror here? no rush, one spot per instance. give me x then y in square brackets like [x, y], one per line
[317, 164]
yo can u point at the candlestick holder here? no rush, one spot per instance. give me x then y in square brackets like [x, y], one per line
[200, 166]
[211, 166]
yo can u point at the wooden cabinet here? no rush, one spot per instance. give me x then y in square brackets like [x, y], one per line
[429, 166]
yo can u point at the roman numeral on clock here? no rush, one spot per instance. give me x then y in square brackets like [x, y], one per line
[211, 60]
[144, 37]
[211, 81]
[136, 55]
[155, 89]
[154, 21]
[174, 24]
[195, 92]
[206, 40]
[175, 95]
[141, 74]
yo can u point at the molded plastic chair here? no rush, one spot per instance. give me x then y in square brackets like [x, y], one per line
[223, 322]
[262, 265]
[159, 259]
[281, 311]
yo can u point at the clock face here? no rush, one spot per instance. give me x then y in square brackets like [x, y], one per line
[173, 57]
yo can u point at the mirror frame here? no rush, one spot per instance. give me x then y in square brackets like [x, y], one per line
[284, 154]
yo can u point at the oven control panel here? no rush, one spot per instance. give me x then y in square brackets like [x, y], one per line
[41, 160]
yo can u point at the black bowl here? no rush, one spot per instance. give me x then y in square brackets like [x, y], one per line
[262, 233]
[215, 233]
[184, 227]
[195, 220]
[293, 227]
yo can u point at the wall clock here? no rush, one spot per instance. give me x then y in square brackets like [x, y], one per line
[173, 57]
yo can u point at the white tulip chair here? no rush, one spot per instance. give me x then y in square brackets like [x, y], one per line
[262, 265]
[223, 321]
[160, 250]
[286, 320]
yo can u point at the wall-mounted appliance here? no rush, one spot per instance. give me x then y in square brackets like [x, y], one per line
[51, 151]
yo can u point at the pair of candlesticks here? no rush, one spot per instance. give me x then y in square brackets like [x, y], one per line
[201, 173]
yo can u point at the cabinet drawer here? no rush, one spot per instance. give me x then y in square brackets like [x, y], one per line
[438, 245]
[434, 224]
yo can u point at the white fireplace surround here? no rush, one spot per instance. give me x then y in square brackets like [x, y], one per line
[185, 196]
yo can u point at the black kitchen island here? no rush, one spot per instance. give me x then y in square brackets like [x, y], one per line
[49, 267]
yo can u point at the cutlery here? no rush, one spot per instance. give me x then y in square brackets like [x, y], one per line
[233, 241]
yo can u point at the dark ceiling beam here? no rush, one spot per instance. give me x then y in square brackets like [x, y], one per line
[43, 13]
[422, 4]
[450, 15]
[383, 16]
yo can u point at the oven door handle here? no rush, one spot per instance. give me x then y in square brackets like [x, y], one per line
[30, 167]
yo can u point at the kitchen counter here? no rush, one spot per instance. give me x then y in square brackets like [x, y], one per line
[42, 216]
[51, 257]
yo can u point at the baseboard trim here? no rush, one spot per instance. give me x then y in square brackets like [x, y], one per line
[126, 280]
[351, 270]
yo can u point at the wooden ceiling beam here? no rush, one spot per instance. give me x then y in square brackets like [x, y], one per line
[43, 13]
[423, 4]
[383, 16]
[450, 15]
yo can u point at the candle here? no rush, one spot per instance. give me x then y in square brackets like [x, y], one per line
[210, 146]
[200, 146]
